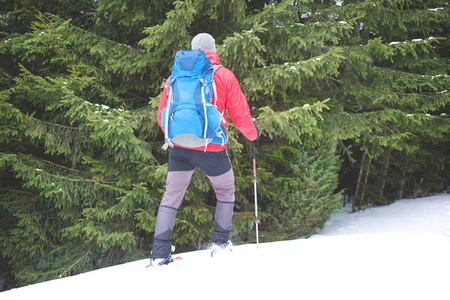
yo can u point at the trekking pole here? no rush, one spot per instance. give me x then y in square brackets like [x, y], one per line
[256, 197]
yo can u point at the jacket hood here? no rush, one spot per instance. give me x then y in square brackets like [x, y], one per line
[213, 57]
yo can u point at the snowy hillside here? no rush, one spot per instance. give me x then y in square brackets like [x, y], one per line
[400, 251]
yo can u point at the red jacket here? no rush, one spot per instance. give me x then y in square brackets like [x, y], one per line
[229, 97]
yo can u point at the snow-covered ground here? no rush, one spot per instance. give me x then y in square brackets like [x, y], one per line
[400, 251]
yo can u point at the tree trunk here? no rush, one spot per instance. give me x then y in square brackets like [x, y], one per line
[385, 170]
[402, 186]
[365, 183]
[335, 140]
[356, 200]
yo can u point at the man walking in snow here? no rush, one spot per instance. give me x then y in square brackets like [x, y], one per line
[212, 160]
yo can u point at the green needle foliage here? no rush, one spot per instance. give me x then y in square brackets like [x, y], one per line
[350, 96]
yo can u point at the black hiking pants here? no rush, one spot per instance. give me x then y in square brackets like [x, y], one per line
[182, 163]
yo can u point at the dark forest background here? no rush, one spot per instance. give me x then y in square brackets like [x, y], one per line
[351, 98]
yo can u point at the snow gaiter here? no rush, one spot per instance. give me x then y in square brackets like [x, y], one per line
[162, 245]
[222, 224]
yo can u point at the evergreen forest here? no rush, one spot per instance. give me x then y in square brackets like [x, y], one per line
[350, 96]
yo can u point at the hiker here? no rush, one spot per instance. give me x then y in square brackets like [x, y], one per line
[211, 158]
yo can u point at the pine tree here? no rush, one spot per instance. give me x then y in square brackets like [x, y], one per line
[75, 149]
[82, 171]
[398, 103]
[309, 198]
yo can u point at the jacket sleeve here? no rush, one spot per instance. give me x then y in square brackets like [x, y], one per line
[238, 108]
[162, 104]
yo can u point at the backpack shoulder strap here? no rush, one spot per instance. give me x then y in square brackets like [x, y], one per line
[215, 68]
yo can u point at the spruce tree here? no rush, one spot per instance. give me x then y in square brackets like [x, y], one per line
[82, 171]
[391, 93]
[309, 198]
[76, 150]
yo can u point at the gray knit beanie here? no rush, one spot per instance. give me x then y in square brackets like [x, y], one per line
[203, 41]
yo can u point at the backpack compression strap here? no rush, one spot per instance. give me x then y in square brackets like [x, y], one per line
[166, 125]
[204, 109]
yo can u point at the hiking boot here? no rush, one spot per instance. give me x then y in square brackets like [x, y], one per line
[160, 261]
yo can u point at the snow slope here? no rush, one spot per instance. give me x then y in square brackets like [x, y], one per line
[400, 251]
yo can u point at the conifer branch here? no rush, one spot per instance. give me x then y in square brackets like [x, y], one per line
[75, 263]
[54, 124]
[63, 79]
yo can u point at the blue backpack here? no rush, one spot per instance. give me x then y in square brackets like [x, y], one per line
[190, 118]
